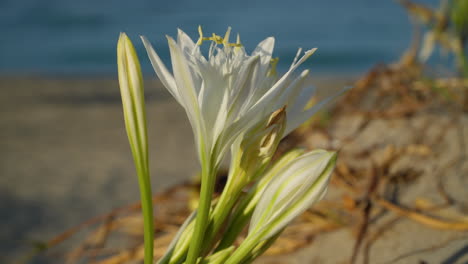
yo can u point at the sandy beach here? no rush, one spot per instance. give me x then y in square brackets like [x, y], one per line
[65, 156]
[65, 159]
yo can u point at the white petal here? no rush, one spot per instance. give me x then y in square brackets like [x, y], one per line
[297, 118]
[183, 78]
[292, 92]
[163, 74]
[192, 55]
[298, 53]
[186, 44]
[186, 90]
[265, 51]
[299, 103]
[212, 98]
[268, 102]
[241, 89]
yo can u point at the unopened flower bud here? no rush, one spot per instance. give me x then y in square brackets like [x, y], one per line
[259, 143]
[301, 183]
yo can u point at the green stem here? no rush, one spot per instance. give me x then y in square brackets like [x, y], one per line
[183, 235]
[242, 252]
[241, 217]
[234, 229]
[223, 207]
[147, 209]
[218, 216]
[222, 210]
[182, 245]
[261, 248]
[206, 193]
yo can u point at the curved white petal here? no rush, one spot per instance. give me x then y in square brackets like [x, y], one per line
[297, 118]
[241, 91]
[291, 93]
[265, 50]
[269, 101]
[183, 78]
[186, 90]
[163, 74]
[185, 42]
[298, 104]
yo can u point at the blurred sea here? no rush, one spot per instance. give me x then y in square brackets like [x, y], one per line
[56, 37]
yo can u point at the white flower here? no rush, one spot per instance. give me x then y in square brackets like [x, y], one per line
[227, 92]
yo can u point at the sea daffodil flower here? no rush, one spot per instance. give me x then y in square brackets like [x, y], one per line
[227, 92]
[224, 95]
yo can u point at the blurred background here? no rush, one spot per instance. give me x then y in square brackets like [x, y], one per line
[64, 154]
[78, 37]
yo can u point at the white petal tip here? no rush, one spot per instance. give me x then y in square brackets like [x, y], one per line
[305, 73]
[310, 52]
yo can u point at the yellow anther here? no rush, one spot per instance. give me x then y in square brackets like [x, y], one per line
[226, 39]
[238, 44]
[273, 64]
[218, 39]
[234, 45]
[200, 39]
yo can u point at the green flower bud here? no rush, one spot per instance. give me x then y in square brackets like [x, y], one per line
[302, 182]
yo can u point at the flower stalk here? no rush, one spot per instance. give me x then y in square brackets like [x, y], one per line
[201, 221]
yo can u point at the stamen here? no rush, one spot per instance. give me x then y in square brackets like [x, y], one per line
[234, 45]
[218, 39]
[237, 45]
[200, 39]
[214, 38]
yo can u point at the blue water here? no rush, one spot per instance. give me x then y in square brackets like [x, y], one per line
[79, 36]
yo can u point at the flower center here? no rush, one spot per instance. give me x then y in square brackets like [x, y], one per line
[218, 39]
